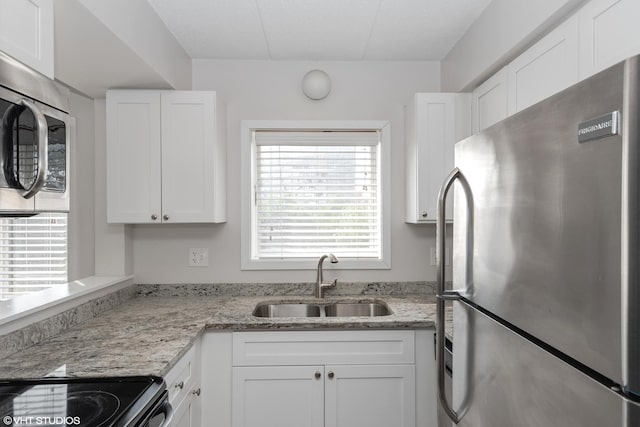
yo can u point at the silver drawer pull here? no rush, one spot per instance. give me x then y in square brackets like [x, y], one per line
[196, 392]
[180, 385]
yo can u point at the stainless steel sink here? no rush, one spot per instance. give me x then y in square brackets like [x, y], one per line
[334, 309]
[287, 310]
[346, 309]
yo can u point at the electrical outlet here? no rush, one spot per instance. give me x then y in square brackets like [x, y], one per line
[198, 257]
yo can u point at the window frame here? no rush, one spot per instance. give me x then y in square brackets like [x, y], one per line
[247, 166]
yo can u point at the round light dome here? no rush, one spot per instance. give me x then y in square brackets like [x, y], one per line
[316, 84]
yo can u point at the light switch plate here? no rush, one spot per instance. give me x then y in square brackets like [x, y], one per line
[198, 257]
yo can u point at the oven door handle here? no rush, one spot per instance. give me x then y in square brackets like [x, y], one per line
[167, 409]
[42, 131]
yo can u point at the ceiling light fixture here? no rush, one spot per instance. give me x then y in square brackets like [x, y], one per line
[316, 84]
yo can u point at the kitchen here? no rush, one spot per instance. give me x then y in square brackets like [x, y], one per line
[100, 47]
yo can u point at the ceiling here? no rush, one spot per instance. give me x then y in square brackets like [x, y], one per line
[319, 29]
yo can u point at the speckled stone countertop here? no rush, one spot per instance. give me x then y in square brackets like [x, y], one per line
[147, 335]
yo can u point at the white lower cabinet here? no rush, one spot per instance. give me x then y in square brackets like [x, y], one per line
[330, 396]
[278, 396]
[370, 395]
[326, 379]
[188, 413]
[183, 384]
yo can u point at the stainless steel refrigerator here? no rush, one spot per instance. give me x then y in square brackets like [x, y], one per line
[545, 284]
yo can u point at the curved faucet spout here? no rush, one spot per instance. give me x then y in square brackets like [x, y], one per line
[321, 285]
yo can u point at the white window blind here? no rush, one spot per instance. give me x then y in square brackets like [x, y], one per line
[33, 254]
[316, 192]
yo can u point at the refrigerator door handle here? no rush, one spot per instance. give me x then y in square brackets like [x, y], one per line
[442, 295]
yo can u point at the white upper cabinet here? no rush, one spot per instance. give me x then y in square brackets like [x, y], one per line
[165, 157]
[435, 122]
[133, 156]
[26, 32]
[192, 161]
[489, 102]
[546, 68]
[600, 34]
[609, 33]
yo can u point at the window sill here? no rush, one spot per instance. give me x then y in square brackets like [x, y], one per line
[19, 312]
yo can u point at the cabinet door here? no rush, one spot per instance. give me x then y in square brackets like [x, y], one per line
[188, 413]
[188, 143]
[133, 157]
[26, 32]
[608, 34]
[544, 69]
[278, 396]
[489, 102]
[435, 124]
[439, 121]
[370, 395]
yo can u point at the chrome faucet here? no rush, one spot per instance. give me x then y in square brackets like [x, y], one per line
[320, 284]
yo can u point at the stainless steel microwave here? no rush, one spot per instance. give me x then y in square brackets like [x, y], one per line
[36, 133]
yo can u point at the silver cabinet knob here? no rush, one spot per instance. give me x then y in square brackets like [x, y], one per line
[180, 385]
[424, 214]
[318, 375]
[330, 374]
[196, 392]
[154, 217]
[165, 217]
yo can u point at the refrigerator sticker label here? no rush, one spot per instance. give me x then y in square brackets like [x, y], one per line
[600, 127]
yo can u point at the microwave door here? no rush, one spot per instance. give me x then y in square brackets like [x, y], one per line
[54, 194]
[11, 200]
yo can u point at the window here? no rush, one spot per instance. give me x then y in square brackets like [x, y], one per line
[33, 254]
[313, 192]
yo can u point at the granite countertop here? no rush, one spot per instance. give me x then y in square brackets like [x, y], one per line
[148, 335]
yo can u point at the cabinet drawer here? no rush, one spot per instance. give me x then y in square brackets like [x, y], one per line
[182, 376]
[323, 347]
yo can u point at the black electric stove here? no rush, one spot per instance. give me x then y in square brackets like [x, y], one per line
[85, 402]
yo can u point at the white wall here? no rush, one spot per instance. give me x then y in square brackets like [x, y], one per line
[257, 90]
[503, 30]
[113, 249]
[137, 24]
[100, 46]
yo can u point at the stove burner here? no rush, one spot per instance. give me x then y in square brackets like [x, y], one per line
[93, 402]
[93, 407]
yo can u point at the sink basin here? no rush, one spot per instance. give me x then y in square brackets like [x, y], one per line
[335, 309]
[287, 310]
[369, 309]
